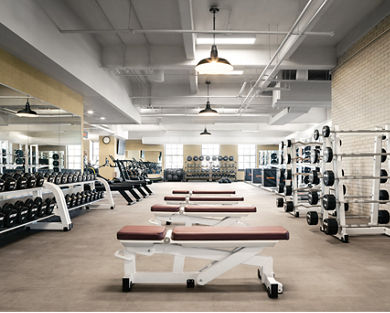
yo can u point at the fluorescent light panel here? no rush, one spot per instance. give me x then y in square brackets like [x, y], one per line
[226, 40]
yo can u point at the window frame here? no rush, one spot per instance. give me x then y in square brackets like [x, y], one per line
[247, 156]
[174, 154]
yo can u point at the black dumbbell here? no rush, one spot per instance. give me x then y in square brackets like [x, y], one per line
[58, 179]
[39, 179]
[10, 215]
[74, 200]
[2, 184]
[68, 200]
[32, 209]
[9, 182]
[69, 178]
[31, 180]
[22, 210]
[64, 178]
[21, 181]
[79, 177]
[79, 198]
[38, 202]
[2, 219]
[49, 205]
[51, 178]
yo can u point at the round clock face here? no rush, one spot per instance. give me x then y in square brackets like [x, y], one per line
[106, 140]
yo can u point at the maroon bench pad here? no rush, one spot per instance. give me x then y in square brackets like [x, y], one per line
[165, 208]
[197, 198]
[213, 192]
[174, 198]
[230, 233]
[221, 208]
[180, 192]
[141, 233]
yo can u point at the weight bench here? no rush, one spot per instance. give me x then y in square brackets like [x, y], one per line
[212, 215]
[203, 192]
[225, 247]
[202, 200]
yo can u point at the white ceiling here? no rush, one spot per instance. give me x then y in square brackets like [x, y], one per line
[157, 70]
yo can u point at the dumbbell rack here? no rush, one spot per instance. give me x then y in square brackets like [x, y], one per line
[61, 209]
[345, 230]
[299, 208]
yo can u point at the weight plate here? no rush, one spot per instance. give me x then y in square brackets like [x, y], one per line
[312, 218]
[316, 134]
[328, 155]
[383, 217]
[189, 158]
[201, 158]
[55, 156]
[312, 197]
[289, 206]
[215, 158]
[384, 156]
[231, 158]
[220, 158]
[225, 158]
[329, 202]
[330, 226]
[328, 178]
[195, 158]
[383, 195]
[325, 131]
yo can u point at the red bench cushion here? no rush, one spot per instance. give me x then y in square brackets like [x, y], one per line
[197, 198]
[141, 233]
[222, 208]
[214, 192]
[181, 192]
[174, 198]
[165, 208]
[230, 233]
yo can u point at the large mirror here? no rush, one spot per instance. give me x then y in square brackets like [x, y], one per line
[37, 136]
[152, 158]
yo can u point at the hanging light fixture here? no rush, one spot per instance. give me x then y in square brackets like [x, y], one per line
[208, 111]
[26, 112]
[205, 132]
[213, 64]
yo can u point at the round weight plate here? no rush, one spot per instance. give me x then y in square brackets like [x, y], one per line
[384, 175]
[288, 158]
[214, 158]
[330, 226]
[208, 158]
[383, 195]
[316, 134]
[287, 190]
[55, 156]
[289, 174]
[306, 180]
[312, 197]
[328, 154]
[289, 206]
[329, 202]
[195, 158]
[328, 178]
[225, 158]
[279, 202]
[231, 158]
[201, 158]
[189, 158]
[56, 163]
[312, 218]
[325, 131]
[280, 188]
[289, 143]
[383, 217]
[220, 158]
[384, 156]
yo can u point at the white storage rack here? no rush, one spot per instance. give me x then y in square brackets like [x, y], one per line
[372, 227]
[300, 208]
[61, 210]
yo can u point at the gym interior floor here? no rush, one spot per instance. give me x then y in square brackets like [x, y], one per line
[77, 271]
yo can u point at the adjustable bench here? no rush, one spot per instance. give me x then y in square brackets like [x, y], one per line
[217, 215]
[203, 192]
[225, 247]
[203, 200]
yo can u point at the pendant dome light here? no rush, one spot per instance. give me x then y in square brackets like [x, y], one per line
[208, 111]
[205, 132]
[213, 64]
[26, 112]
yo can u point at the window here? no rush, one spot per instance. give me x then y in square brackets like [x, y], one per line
[246, 156]
[94, 152]
[210, 150]
[73, 156]
[173, 156]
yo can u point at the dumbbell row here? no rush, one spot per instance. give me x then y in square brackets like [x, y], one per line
[20, 212]
[19, 181]
[329, 178]
[326, 131]
[83, 197]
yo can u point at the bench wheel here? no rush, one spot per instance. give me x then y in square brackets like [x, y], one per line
[258, 273]
[168, 223]
[296, 214]
[345, 239]
[126, 285]
[272, 291]
[190, 283]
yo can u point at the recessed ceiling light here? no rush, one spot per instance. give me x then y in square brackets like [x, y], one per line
[102, 118]
[226, 40]
[90, 112]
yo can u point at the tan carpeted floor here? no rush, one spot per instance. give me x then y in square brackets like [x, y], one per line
[76, 270]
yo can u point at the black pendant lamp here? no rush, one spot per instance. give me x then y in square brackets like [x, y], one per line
[205, 132]
[26, 112]
[213, 64]
[208, 111]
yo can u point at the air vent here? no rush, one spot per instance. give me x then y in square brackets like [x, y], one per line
[319, 75]
[287, 75]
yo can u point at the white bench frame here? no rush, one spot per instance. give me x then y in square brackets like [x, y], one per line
[224, 255]
[201, 218]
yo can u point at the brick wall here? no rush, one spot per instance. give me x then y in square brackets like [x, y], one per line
[361, 99]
